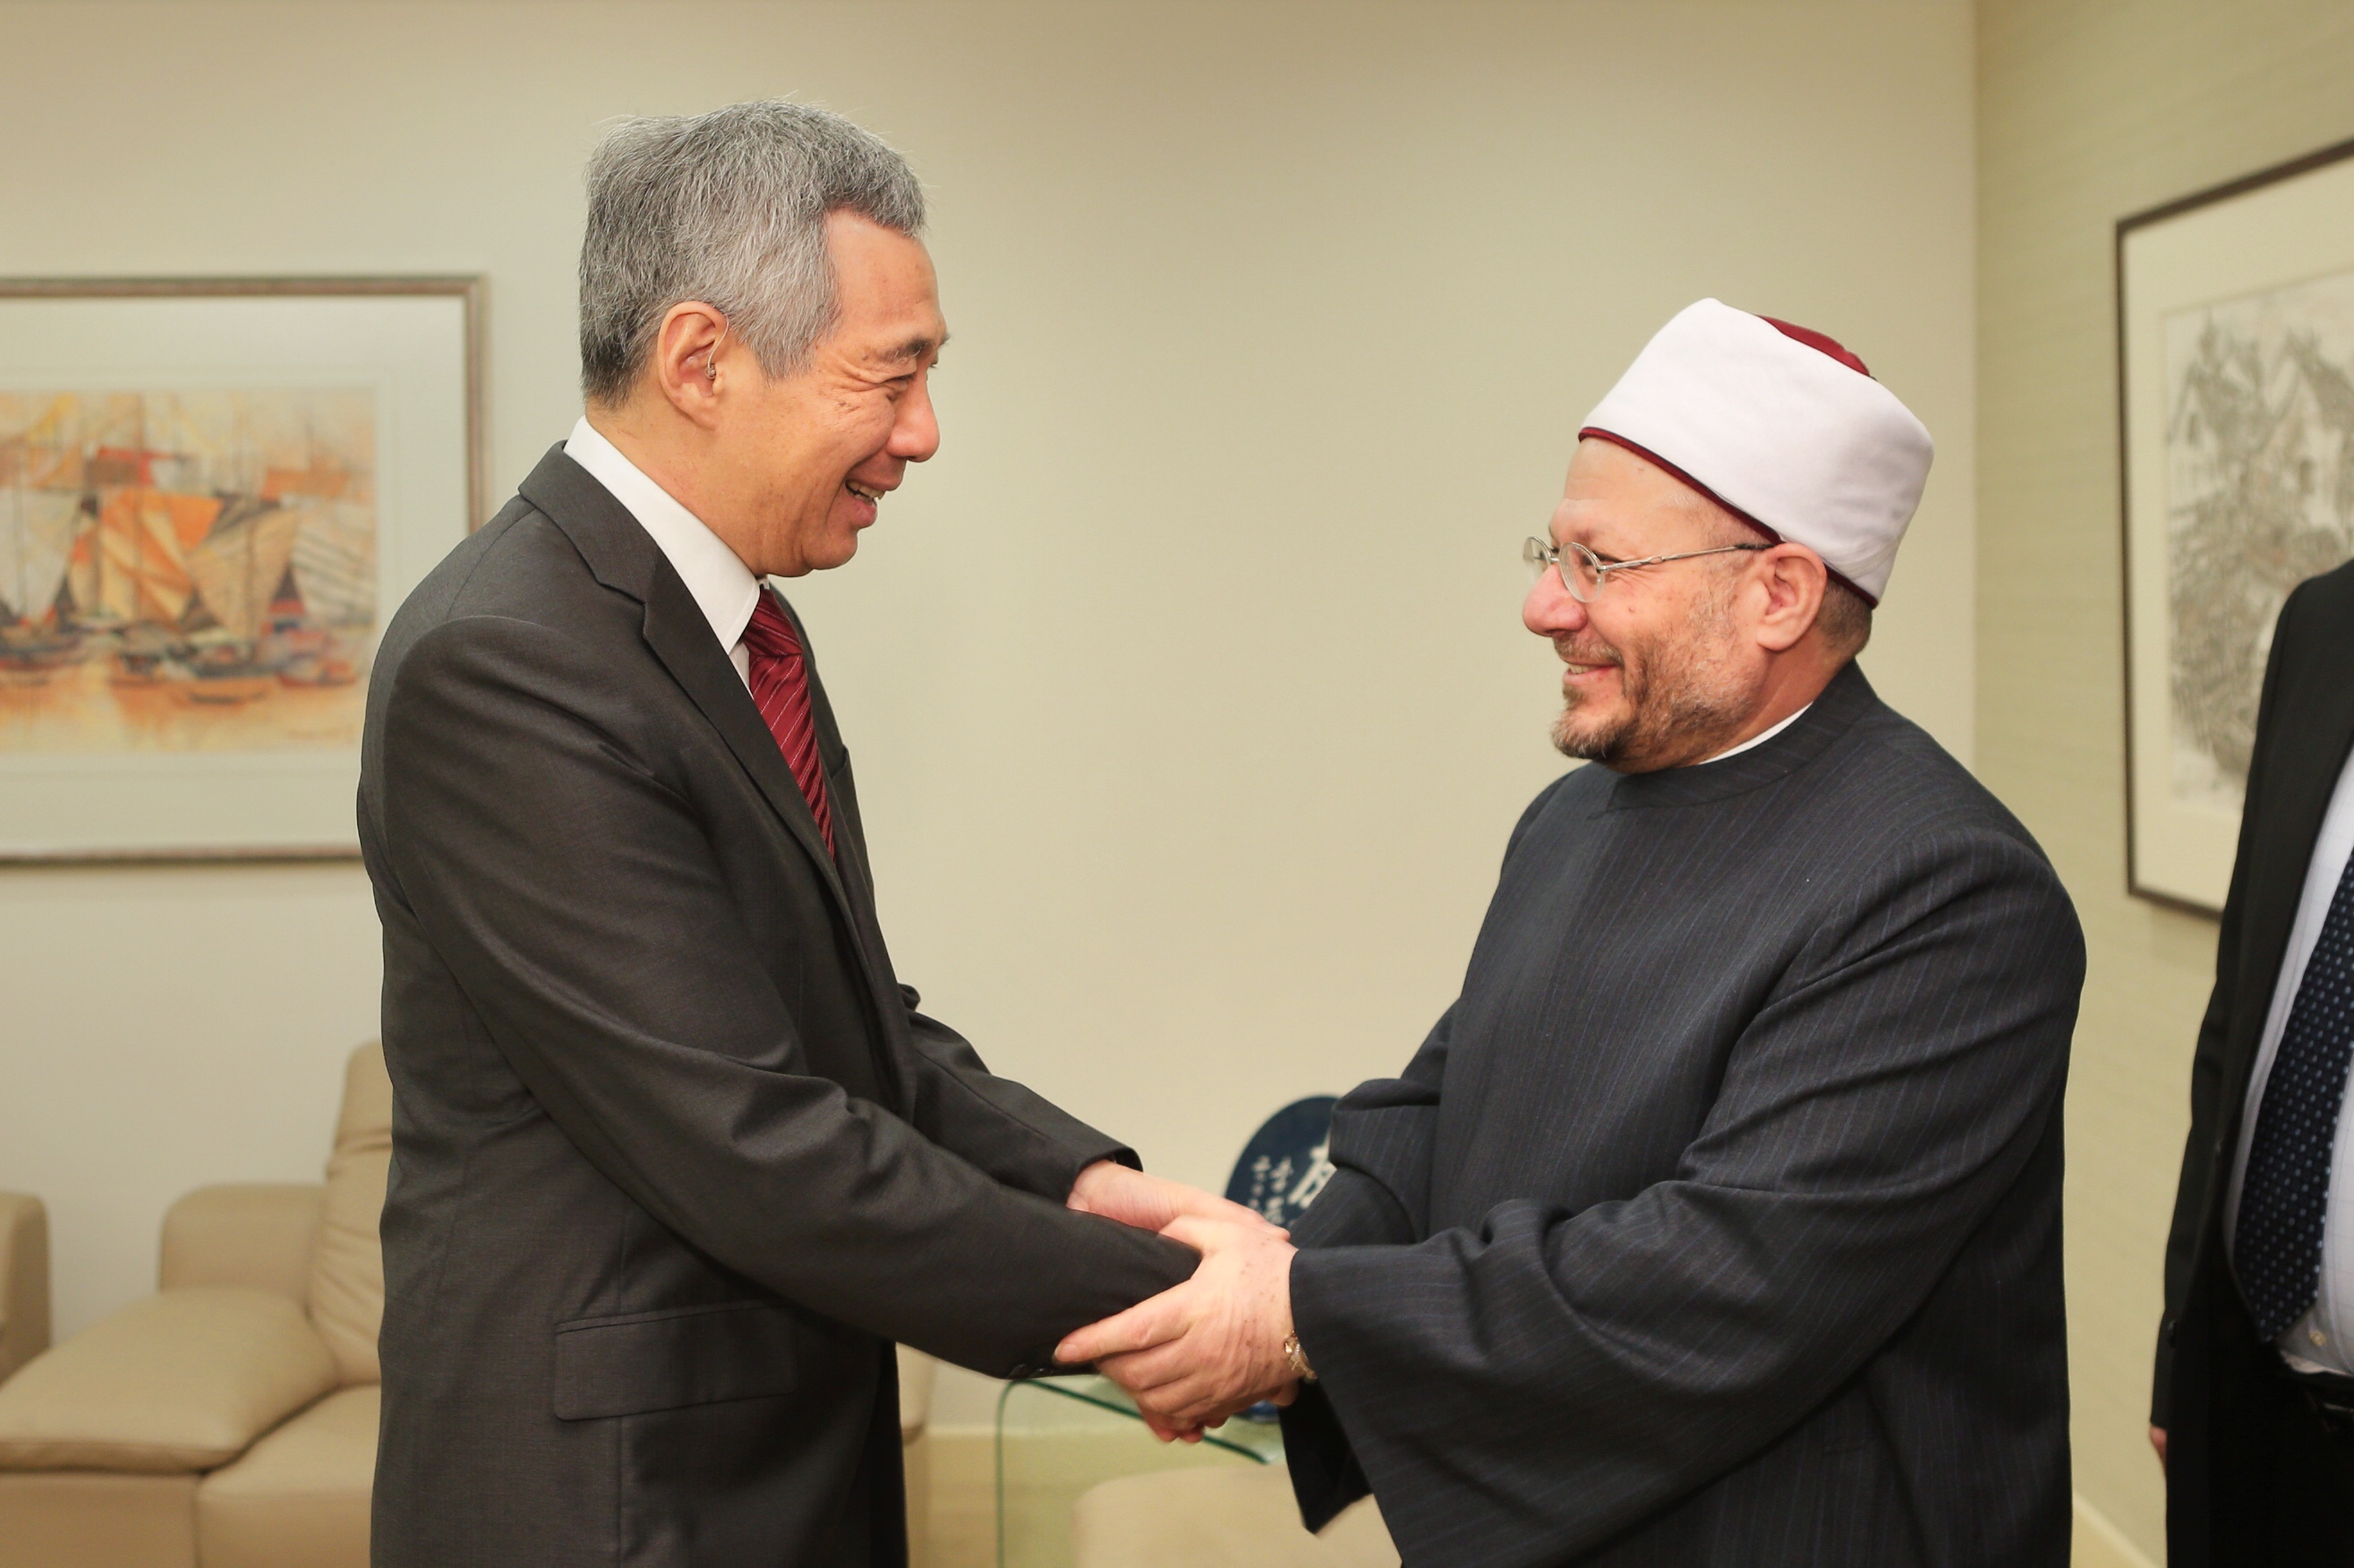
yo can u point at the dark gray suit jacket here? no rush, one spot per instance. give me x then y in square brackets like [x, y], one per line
[674, 1160]
[1718, 1220]
[2219, 1394]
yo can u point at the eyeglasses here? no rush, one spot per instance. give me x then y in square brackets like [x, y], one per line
[1584, 573]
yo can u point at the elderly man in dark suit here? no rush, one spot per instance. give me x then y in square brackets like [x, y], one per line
[676, 1159]
[2253, 1408]
[1718, 1219]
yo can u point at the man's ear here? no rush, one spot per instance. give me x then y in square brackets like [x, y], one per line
[690, 360]
[1794, 579]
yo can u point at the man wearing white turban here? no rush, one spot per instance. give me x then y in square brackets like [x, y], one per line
[1718, 1220]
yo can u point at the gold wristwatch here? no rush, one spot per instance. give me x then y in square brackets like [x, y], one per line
[1296, 1359]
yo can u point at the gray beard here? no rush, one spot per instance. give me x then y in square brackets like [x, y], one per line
[1677, 703]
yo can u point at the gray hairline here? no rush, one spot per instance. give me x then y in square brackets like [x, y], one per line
[1845, 615]
[730, 209]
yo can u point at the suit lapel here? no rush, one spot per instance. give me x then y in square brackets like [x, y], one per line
[2316, 726]
[623, 556]
[857, 876]
[850, 834]
[680, 637]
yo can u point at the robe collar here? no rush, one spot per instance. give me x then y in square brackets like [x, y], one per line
[1846, 700]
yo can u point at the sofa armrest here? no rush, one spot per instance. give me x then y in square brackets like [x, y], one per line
[256, 1235]
[182, 1380]
[23, 1280]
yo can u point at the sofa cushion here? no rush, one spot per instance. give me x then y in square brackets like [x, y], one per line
[300, 1497]
[255, 1235]
[185, 1380]
[347, 1266]
[89, 1519]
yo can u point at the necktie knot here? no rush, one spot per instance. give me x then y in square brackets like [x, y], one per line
[768, 634]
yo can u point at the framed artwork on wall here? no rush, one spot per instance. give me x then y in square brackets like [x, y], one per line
[213, 495]
[2235, 367]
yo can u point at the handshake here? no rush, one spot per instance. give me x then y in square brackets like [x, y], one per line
[1222, 1341]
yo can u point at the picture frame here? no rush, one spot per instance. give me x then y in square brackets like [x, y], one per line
[2235, 404]
[214, 493]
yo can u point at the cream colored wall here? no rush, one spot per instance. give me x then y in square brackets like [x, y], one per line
[2090, 110]
[1186, 686]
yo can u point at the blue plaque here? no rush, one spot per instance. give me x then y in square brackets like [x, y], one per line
[1285, 1164]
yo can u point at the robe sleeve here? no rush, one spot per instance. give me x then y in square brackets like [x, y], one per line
[1572, 1373]
[1384, 1133]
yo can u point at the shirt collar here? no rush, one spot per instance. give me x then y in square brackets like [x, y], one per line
[1756, 739]
[722, 588]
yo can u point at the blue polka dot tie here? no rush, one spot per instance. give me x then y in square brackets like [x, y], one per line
[2276, 1249]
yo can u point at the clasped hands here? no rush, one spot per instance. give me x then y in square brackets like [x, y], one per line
[1197, 1353]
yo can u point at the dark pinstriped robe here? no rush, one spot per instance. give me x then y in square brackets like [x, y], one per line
[1718, 1220]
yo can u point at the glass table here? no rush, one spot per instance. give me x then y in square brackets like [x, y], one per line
[1058, 1436]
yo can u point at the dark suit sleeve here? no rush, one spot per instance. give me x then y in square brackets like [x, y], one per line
[1583, 1369]
[1014, 1134]
[577, 900]
[2208, 1114]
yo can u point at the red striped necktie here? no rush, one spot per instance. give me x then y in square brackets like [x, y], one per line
[780, 689]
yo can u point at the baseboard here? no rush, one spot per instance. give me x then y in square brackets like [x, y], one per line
[2100, 1544]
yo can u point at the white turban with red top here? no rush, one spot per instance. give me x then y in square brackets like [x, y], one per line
[1780, 426]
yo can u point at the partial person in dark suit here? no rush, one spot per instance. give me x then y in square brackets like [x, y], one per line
[674, 1157]
[2252, 1411]
[1717, 1222]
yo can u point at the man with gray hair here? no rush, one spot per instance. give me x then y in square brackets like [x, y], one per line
[676, 1159]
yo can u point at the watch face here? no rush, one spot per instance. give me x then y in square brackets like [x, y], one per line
[1285, 1165]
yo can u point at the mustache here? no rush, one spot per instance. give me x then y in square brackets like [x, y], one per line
[1573, 652]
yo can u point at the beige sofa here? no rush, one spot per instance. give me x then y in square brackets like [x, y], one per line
[23, 1280]
[229, 1420]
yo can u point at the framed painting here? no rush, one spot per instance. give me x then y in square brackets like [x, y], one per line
[213, 495]
[2235, 360]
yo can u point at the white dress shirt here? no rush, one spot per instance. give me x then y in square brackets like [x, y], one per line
[724, 589]
[2323, 1340]
[1754, 739]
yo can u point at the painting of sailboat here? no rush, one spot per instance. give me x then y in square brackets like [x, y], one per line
[186, 570]
[212, 491]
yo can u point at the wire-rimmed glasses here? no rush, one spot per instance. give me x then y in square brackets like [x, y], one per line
[1584, 573]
